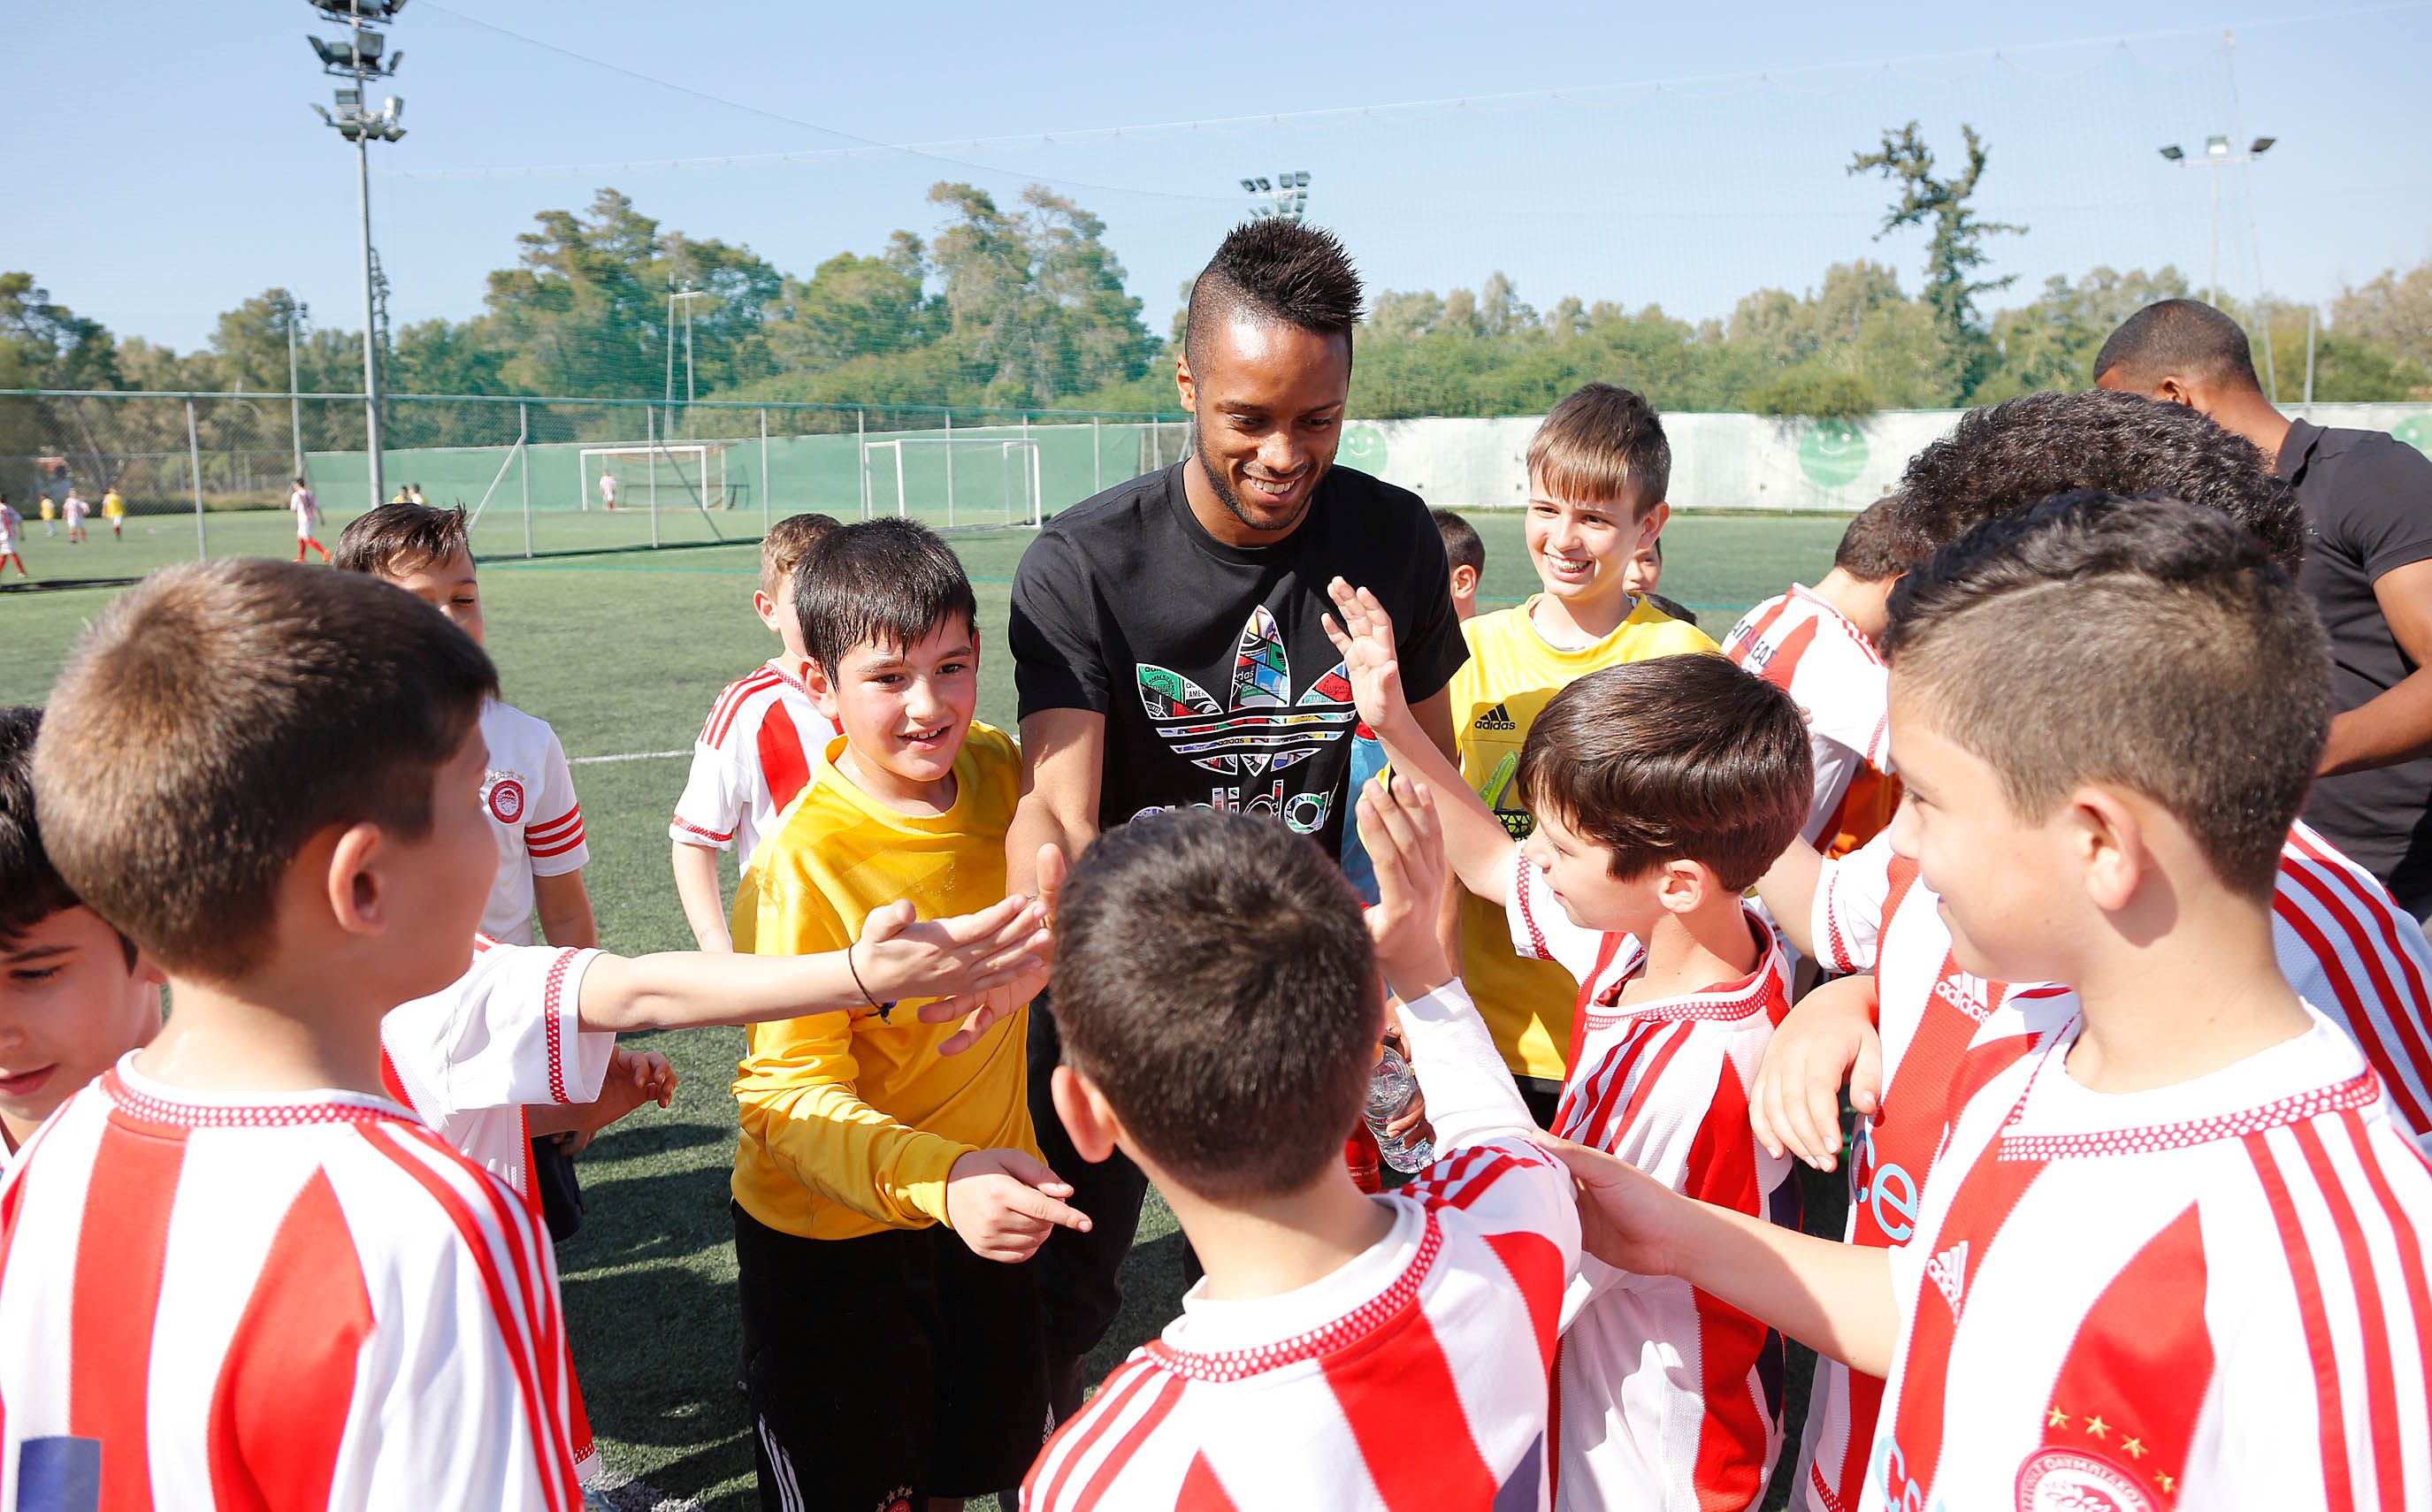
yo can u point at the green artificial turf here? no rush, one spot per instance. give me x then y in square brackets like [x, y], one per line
[623, 651]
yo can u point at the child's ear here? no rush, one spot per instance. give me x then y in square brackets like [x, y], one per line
[1652, 524]
[1683, 885]
[354, 878]
[1464, 581]
[1088, 1119]
[764, 606]
[2109, 839]
[821, 688]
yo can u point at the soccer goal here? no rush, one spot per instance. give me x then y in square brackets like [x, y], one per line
[676, 476]
[951, 482]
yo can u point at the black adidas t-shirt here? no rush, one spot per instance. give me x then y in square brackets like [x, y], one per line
[1208, 661]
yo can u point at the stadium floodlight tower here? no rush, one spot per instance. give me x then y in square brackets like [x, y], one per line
[2217, 156]
[357, 57]
[1285, 196]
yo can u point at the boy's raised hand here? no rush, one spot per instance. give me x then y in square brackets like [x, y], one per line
[1398, 826]
[1828, 1038]
[1626, 1215]
[1363, 632]
[980, 1008]
[634, 1077]
[1003, 1204]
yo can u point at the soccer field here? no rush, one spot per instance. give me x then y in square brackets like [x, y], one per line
[623, 653]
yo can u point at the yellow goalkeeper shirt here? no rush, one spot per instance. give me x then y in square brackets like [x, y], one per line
[1512, 673]
[852, 1123]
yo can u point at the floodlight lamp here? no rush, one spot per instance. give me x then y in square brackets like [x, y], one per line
[2262, 145]
[346, 99]
[332, 54]
[396, 60]
[1248, 187]
[1300, 179]
[2216, 147]
[2175, 153]
[391, 108]
[327, 119]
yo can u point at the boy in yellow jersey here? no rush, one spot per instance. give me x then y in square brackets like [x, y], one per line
[886, 1192]
[1599, 469]
[113, 509]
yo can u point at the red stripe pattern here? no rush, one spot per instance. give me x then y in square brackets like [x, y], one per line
[761, 743]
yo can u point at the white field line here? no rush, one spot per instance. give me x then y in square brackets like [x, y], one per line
[635, 1496]
[627, 756]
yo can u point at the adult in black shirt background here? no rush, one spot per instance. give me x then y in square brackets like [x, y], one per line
[1167, 648]
[2367, 503]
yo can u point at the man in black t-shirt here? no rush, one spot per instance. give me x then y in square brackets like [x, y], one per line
[2367, 503]
[1167, 651]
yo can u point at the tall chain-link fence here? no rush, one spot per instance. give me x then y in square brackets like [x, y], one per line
[544, 476]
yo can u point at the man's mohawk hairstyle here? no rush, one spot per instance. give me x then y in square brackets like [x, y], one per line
[1281, 270]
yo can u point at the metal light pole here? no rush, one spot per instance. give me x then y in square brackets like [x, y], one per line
[358, 58]
[683, 291]
[294, 404]
[1285, 196]
[2217, 156]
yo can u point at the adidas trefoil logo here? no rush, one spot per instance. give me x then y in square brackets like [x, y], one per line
[1497, 717]
[1948, 1274]
[1265, 728]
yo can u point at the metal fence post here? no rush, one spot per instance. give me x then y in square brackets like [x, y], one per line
[861, 454]
[194, 471]
[950, 469]
[649, 428]
[764, 471]
[1097, 459]
[523, 444]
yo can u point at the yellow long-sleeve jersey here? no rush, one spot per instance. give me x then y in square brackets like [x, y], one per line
[852, 1124]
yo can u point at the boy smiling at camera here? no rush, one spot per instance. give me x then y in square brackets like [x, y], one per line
[885, 1191]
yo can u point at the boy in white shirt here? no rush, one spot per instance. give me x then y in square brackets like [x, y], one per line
[306, 510]
[11, 523]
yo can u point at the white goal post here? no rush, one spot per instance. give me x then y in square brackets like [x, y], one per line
[996, 482]
[681, 476]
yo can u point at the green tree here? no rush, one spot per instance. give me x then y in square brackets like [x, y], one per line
[47, 345]
[855, 306]
[1955, 235]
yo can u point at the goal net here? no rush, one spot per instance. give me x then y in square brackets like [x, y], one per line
[951, 482]
[677, 475]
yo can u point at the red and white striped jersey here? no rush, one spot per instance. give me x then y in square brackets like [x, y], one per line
[529, 794]
[1412, 1379]
[2341, 942]
[504, 1037]
[1830, 669]
[1671, 1398]
[271, 1300]
[2207, 1295]
[755, 752]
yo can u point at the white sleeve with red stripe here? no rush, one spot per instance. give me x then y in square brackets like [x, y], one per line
[1541, 930]
[338, 1311]
[1850, 893]
[711, 807]
[1471, 1096]
[506, 1034]
[2349, 949]
[554, 839]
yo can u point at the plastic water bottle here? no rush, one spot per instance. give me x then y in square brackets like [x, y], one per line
[1391, 1090]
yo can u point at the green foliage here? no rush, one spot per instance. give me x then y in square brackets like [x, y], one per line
[1816, 392]
[1955, 239]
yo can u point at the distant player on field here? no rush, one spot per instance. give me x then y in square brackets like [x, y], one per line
[74, 508]
[757, 747]
[113, 509]
[607, 488]
[1818, 645]
[11, 524]
[308, 519]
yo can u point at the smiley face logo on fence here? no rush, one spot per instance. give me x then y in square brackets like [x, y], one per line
[1832, 453]
[1363, 446]
[2416, 430]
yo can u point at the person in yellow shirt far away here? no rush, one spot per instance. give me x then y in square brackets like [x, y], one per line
[1598, 470]
[887, 1185]
[113, 509]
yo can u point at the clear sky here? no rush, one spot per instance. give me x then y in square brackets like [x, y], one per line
[162, 164]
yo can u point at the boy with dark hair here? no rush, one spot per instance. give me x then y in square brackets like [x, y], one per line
[231, 1262]
[74, 994]
[1166, 649]
[2367, 497]
[1465, 554]
[2239, 1327]
[1598, 471]
[756, 749]
[1661, 789]
[871, 1165]
[1222, 1008]
[1895, 1035]
[1818, 645]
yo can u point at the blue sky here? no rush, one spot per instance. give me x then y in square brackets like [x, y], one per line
[163, 166]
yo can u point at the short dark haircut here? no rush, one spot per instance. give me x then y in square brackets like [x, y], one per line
[2184, 338]
[1878, 545]
[2017, 453]
[2143, 643]
[1680, 757]
[1602, 443]
[216, 718]
[1279, 271]
[788, 541]
[883, 582]
[1215, 982]
[399, 540]
[1463, 546]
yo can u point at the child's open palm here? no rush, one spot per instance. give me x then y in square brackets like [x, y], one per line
[1363, 632]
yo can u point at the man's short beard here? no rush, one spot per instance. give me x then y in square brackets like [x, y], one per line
[1222, 488]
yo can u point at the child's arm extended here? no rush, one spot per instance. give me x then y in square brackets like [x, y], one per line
[1834, 1298]
[704, 911]
[1474, 841]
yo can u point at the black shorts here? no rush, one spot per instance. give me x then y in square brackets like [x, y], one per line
[886, 1368]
